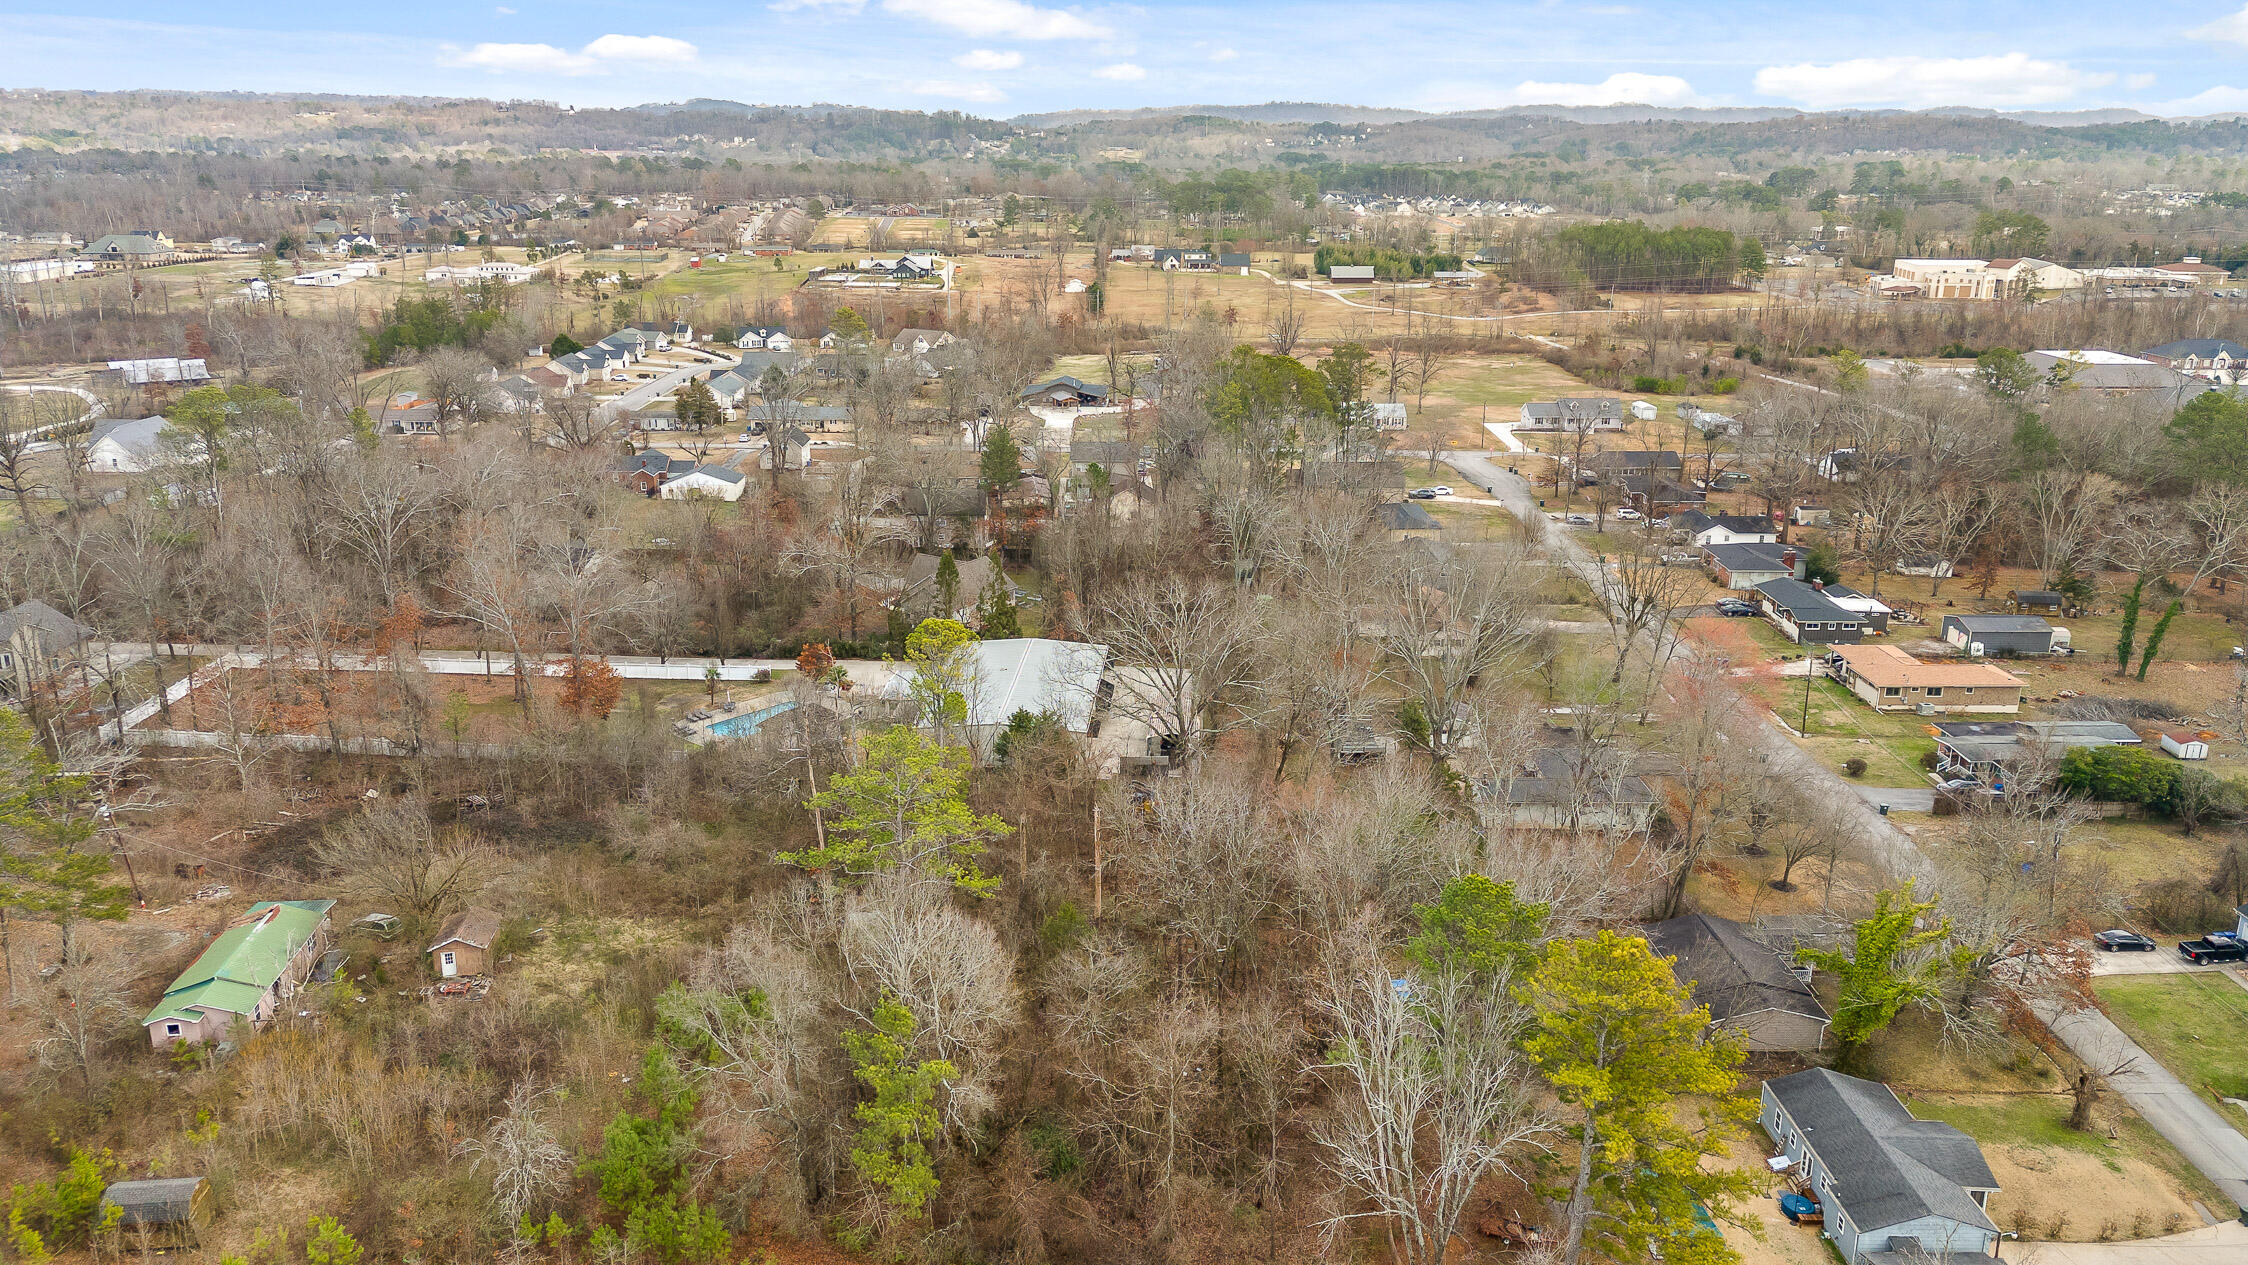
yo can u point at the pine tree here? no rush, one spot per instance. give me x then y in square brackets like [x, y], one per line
[1002, 466]
[891, 1151]
[948, 583]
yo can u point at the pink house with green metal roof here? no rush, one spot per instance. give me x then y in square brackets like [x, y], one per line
[246, 973]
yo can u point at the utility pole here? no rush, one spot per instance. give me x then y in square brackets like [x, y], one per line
[1097, 863]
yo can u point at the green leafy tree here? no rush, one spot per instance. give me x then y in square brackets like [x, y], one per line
[2120, 775]
[330, 1243]
[1349, 373]
[891, 1151]
[943, 682]
[2130, 625]
[1002, 465]
[905, 804]
[563, 345]
[2005, 374]
[49, 867]
[644, 1156]
[2209, 437]
[1850, 372]
[1262, 401]
[1754, 264]
[848, 326]
[1622, 1044]
[1887, 967]
[948, 583]
[996, 615]
[1479, 927]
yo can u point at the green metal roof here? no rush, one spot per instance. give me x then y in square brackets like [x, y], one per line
[247, 959]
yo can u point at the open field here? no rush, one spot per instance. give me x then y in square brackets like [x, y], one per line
[2191, 1024]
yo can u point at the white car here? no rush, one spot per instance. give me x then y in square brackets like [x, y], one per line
[1441, 490]
[1628, 515]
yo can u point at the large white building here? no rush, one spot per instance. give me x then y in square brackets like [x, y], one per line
[1984, 280]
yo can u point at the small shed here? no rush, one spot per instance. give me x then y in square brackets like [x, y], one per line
[2183, 743]
[1999, 634]
[2036, 601]
[173, 1209]
[464, 944]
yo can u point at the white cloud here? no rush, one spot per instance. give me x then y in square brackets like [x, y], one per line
[640, 48]
[2137, 82]
[595, 58]
[846, 7]
[2221, 99]
[1625, 87]
[504, 11]
[1122, 72]
[989, 59]
[954, 90]
[1002, 19]
[2232, 29]
[1224, 54]
[2010, 79]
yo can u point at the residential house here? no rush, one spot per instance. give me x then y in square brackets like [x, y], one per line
[1658, 496]
[36, 641]
[715, 482]
[923, 598]
[1999, 634]
[1560, 788]
[765, 338]
[2040, 601]
[1748, 564]
[1629, 463]
[1170, 260]
[1576, 414]
[128, 445]
[647, 471]
[918, 342]
[672, 333]
[1351, 274]
[792, 447]
[1989, 749]
[1386, 415]
[1406, 520]
[1891, 1187]
[244, 975]
[167, 1211]
[2217, 359]
[464, 944]
[1066, 392]
[1890, 680]
[139, 248]
[1237, 264]
[1119, 458]
[517, 393]
[1746, 985]
[1806, 613]
[1701, 529]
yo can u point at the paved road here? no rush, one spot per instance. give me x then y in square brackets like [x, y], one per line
[1883, 843]
[2225, 1243]
[2203, 1136]
[647, 393]
[2163, 961]
[1900, 799]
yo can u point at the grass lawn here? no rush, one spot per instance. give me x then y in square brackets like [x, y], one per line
[2106, 1179]
[2193, 636]
[742, 277]
[2191, 1023]
[1842, 727]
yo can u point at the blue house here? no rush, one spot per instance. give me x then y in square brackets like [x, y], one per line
[1892, 1188]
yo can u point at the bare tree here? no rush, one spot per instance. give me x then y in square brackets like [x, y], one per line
[1642, 599]
[1180, 646]
[527, 1160]
[1448, 627]
[951, 971]
[457, 382]
[1284, 325]
[390, 853]
[1435, 1097]
[87, 1003]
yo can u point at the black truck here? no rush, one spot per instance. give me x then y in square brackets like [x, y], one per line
[2217, 946]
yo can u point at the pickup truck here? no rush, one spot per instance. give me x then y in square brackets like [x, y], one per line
[2217, 946]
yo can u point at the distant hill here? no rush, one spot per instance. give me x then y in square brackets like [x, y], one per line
[1269, 112]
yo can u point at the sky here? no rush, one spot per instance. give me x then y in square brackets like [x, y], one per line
[1005, 57]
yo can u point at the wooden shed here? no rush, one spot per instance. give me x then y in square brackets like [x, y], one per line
[167, 1209]
[464, 944]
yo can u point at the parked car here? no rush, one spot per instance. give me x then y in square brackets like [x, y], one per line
[1733, 606]
[1962, 784]
[2124, 942]
[1627, 514]
[1441, 490]
[1580, 520]
[1421, 494]
[1681, 559]
[382, 925]
[2217, 946]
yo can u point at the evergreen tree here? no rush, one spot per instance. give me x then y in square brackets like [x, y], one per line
[905, 804]
[891, 1150]
[1884, 969]
[1002, 465]
[948, 583]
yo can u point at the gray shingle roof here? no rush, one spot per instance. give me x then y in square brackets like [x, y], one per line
[474, 926]
[2001, 623]
[1889, 1168]
[1750, 556]
[53, 630]
[157, 1201]
[1406, 516]
[1730, 973]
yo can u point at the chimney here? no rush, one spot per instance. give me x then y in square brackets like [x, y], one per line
[1818, 586]
[1787, 560]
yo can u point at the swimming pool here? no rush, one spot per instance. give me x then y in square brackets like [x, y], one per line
[747, 722]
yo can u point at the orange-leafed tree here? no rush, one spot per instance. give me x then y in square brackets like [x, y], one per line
[591, 687]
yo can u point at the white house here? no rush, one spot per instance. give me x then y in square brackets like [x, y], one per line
[715, 482]
[124, 446]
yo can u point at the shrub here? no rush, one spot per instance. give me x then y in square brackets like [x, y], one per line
[1854, 767]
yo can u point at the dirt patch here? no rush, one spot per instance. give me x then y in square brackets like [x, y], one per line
[2069, 1196]
[460, 708]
